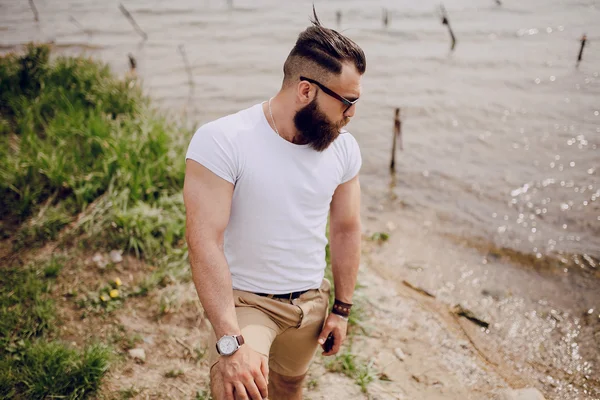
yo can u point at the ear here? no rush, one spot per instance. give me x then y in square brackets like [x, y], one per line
[304, 92]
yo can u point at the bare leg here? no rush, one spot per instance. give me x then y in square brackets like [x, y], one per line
[285, 387]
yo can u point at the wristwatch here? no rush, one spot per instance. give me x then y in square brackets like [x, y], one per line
[228, 344]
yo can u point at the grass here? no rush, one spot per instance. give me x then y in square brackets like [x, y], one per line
[203, 395]
[71, 136]
[32, 364]
[174, 373]
[352, 366]
[83, 159]
[53, 370]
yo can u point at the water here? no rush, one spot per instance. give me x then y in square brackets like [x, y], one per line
[501, 136]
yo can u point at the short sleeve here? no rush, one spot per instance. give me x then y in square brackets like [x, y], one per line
[215, 150]
[353, 158]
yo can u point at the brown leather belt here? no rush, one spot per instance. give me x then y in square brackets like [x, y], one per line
[288, 296]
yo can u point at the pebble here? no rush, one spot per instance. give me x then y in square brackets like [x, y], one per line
[115, 256]
[99, 260]
[138, 354]
[399, 354]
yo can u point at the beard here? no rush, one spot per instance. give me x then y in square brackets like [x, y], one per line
[315, 128]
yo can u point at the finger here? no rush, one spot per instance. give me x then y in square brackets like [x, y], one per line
[324, 333]
[262, 385]
[264, 368]
[337, 343]
[240, 391]
[229, 392]
[252, 389]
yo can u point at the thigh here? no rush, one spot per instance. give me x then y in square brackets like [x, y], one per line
[258, 330]
[293, 350]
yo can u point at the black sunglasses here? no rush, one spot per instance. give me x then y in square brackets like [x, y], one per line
[330, 92]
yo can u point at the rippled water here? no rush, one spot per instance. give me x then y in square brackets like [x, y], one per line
[500, 136]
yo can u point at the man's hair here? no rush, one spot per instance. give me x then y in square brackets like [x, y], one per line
[320, 52]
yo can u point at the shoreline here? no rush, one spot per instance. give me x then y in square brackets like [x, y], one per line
[534, 338]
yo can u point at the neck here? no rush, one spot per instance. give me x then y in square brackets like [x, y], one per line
[283, 110]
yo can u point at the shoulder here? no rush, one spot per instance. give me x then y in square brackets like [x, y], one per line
[346, 143]
[231, 126]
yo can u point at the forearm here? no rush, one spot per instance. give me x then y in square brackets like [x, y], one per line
[345, 259]
[212, 279]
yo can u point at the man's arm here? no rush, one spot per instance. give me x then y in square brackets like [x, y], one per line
[207, 199]
[345, 239]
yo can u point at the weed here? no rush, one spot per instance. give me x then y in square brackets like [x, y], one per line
[174, 373]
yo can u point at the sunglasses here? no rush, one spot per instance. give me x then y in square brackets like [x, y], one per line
[330, 92]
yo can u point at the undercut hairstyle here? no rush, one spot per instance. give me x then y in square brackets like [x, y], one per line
[320, 53]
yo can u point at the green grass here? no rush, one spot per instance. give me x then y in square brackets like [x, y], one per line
[32, 364]
[83, 158]
[71, 134]
[352, 366]
[26, 311]
[52, 370]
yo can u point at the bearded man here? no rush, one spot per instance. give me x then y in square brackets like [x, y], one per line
[259, 188]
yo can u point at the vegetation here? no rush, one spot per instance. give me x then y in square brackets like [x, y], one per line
[32, 364]
[71, 136]
[83, 158]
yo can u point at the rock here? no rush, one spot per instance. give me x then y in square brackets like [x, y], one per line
[115, 256]
[399, 354]
[138, 354]
[100, 261]
[521, 394]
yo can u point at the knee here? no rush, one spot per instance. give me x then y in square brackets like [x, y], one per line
[286, 384]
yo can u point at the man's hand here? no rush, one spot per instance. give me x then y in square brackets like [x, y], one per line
[243, 375]
[338, 326]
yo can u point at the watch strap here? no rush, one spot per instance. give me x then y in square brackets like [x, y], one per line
[240, 339]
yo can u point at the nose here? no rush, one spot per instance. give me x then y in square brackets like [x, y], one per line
[350, 111]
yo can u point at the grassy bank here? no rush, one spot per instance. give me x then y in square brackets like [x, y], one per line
[72, 136]
[86, 164]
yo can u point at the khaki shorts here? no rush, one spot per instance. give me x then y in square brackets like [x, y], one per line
[286, 332]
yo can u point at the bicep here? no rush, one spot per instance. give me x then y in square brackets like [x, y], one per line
[345, 205]
[207, 199]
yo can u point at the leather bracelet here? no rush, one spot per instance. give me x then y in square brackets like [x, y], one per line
[340, 308]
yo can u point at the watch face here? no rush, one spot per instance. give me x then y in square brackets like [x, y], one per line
[227, 345]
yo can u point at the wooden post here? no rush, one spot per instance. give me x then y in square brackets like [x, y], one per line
[187, 68]
[338, 17]
[583, 40]
[397, 135]
[132, 63]
[386, 17]
[34, 9]
[446, 22]
[132, 21]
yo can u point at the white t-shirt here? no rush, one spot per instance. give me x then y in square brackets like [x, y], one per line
[275, 239]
